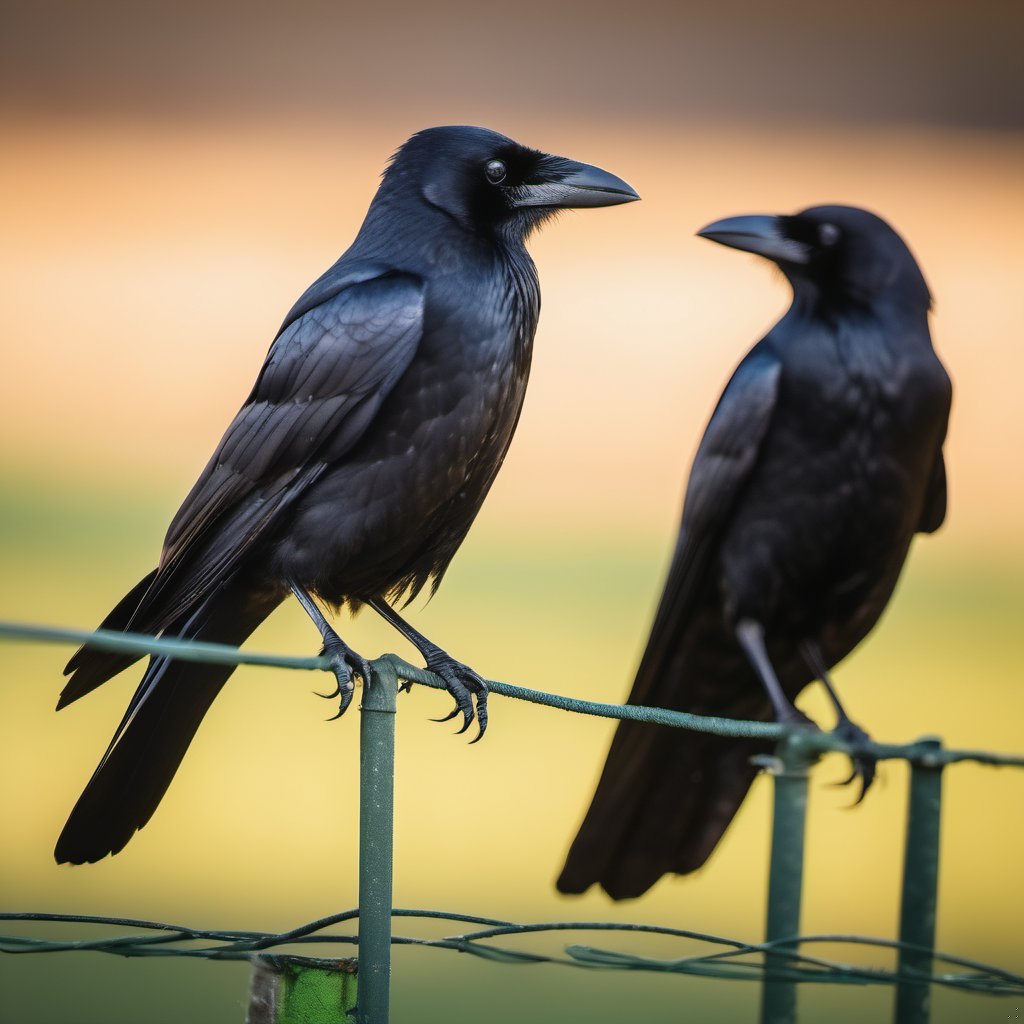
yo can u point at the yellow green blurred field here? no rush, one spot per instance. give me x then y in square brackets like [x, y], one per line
[259, 827]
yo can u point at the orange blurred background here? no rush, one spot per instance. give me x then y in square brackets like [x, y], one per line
[174, 176]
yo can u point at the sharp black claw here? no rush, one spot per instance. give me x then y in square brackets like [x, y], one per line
[345, 693]
[466, 687]
[467, 714]
[345, 663]
[481, 717]
[481, 712]
[863, 770]
[865, 783]
[863, 765]
[845, 782]
[346, 699]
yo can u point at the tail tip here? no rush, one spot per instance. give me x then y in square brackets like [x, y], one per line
[571, 885]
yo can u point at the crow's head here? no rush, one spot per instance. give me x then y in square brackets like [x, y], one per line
[489, 184]
[842, 252]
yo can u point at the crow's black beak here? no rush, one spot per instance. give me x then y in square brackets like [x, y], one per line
[569, 185]
[759, 234]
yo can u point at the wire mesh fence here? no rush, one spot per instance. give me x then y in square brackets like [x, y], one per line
[779, 964]
[727, 958]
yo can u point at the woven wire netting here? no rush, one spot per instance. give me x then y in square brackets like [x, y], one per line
[786, 959]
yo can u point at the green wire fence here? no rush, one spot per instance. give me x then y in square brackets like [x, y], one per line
[286, 988]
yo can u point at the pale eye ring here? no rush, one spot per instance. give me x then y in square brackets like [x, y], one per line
[495, 170]
[828, 234]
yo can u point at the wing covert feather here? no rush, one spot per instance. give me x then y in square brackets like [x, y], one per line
[324, 378]
[725, 457]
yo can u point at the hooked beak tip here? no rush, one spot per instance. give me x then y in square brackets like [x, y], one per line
[578, 186]
[759, 234]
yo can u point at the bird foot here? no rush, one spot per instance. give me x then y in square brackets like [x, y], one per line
[864, 765]
[795, 718]
[463, 684]
[346, 664]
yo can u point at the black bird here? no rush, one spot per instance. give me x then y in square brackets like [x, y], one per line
[821, 461]
[356, 466]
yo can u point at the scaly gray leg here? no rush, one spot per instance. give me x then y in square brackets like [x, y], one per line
[344, 661]
[863, 764]
[750, 635]
[463, 683]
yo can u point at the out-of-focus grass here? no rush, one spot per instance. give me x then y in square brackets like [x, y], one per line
[259, 828]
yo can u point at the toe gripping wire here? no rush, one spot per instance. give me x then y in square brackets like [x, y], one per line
[344, 662]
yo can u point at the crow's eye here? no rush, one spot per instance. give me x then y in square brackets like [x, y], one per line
[828, 234]
[495, 171]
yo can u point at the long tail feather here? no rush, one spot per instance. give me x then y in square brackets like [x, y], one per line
[666, 796]
[90, 667]
[171, 701]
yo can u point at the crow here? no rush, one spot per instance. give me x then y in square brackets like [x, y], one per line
[358, 463]
[821, 461]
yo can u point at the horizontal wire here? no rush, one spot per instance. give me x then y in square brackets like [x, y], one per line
[926, 752]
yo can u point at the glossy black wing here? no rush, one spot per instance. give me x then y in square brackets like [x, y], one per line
[724, 460]
[647, 815]
[331, 366]
[934, 512]
[324, 379]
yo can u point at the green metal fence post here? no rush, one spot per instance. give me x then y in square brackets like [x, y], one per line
[785, 880]
[376, 840]
[920, 889]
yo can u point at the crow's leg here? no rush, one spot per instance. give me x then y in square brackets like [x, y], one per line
[816, 663]
[750, 635]
[863, 764]
[463, 683]
[344, 661]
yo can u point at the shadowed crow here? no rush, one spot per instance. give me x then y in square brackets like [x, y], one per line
[820, 463]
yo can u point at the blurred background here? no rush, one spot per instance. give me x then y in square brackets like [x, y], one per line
[173, 176]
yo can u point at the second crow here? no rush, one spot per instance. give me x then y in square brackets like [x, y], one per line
[820, 463]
